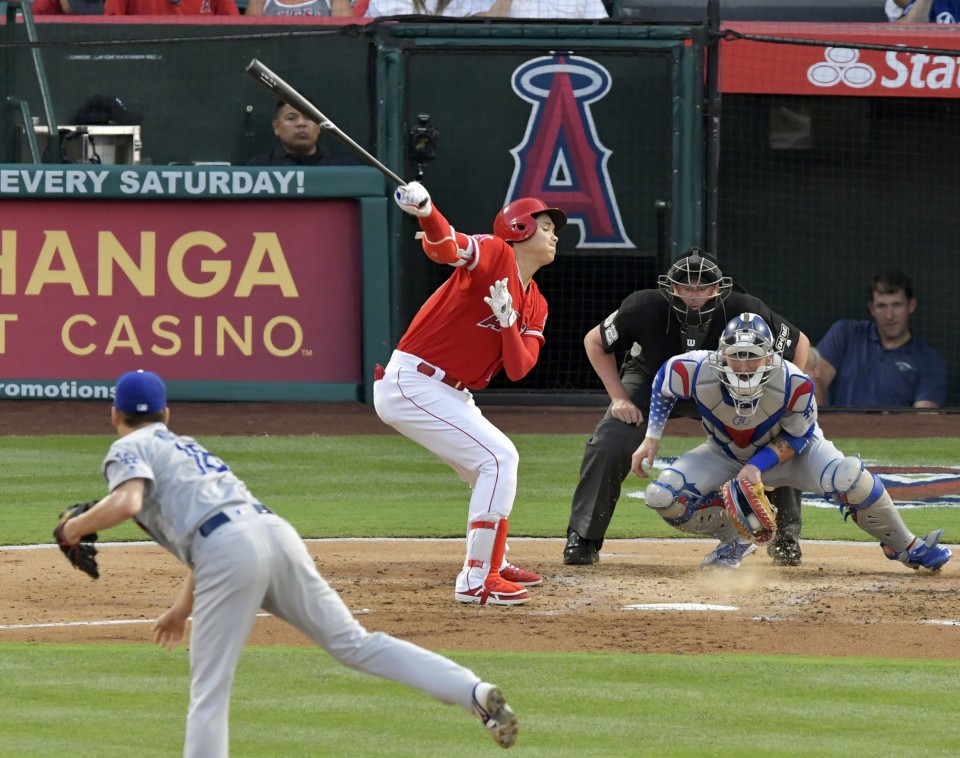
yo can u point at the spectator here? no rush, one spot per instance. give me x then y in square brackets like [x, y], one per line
[933, 11]
[590, 9]
[880, 363]
[171, 8]
[298, 8]
[299, 142]
[895, 9]
[497, 8]
[67, 7]
[449, 8]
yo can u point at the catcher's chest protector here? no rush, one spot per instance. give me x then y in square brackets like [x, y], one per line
[743, 434]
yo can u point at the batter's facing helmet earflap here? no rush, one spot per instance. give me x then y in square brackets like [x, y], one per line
[696, 267]
[746, 338]
[515, 222]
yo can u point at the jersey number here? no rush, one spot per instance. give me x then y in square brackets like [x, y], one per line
[205, 461]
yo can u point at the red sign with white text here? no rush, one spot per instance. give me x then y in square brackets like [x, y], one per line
[222, 291]
[757, 67]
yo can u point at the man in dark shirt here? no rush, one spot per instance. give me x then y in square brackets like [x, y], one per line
[299, 142]
[880, 363]
[688, 311]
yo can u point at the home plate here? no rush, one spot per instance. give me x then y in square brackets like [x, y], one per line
[678, 607]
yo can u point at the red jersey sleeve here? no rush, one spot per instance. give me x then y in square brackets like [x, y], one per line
[442, 243]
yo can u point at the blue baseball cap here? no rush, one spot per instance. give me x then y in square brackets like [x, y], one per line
[140, 392]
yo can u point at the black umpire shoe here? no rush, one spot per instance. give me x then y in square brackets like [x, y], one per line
[580, 552]
[785, 552]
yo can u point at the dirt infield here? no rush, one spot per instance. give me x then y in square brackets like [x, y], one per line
[844, 600]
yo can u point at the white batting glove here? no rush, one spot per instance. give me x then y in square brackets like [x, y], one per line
[501, 303]
[414, 199]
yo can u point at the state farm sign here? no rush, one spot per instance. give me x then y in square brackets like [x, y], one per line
[758, 67]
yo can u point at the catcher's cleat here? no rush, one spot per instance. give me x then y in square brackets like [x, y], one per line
[495, 591]
[728, 555]
[520, 576]
[921, 553]
[784, 551]
[579, 551]
[496, 715]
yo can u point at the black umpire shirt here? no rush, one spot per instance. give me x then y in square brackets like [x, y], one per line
[648, 332]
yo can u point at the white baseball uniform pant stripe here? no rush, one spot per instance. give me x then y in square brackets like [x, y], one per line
[263, 562]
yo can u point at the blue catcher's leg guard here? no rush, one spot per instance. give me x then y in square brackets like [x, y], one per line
[683, 507]
[846, 481]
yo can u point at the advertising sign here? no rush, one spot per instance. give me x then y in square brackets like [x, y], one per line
[926, 66]
[218, 291]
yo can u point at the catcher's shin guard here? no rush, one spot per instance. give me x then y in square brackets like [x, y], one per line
[868, 501]
[687, 511]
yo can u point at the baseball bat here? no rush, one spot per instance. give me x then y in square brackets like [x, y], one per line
[291, 97]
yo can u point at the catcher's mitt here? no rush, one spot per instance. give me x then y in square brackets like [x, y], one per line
[750, 510]
[83, 554]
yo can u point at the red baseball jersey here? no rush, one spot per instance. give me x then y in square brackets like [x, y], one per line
[171, 8]
[456, 330]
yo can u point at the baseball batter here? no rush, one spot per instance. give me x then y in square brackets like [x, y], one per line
[489, 315]
[243, 557]
[760, 416]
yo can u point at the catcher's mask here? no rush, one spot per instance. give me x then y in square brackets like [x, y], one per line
[695, 268]
[515, 222]
[745, 360]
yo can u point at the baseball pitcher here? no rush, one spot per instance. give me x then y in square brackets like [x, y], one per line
[242, 557]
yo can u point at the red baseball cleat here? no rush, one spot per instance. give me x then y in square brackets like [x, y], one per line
[496, 591]
[520, 576]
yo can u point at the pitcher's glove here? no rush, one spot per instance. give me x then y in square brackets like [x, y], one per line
[750, 511]
[83, 554]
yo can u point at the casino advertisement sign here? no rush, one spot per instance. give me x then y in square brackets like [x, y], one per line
[225, 290]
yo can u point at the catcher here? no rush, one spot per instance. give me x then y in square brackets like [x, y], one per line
[760, 417]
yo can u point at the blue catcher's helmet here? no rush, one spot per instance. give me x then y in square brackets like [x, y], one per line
[748, 341]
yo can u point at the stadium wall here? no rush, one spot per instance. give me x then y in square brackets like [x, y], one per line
[627, 157]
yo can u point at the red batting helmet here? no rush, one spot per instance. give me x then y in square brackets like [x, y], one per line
[515, 223]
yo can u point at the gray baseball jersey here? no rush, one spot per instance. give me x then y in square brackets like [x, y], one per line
[185, 484]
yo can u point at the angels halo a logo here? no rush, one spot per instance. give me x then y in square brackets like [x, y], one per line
[561, 160]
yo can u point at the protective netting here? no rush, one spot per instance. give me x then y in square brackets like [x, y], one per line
[839, 158]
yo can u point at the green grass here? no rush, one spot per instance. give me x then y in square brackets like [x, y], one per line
[131, 700]
[122, 700]
[367, 486]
